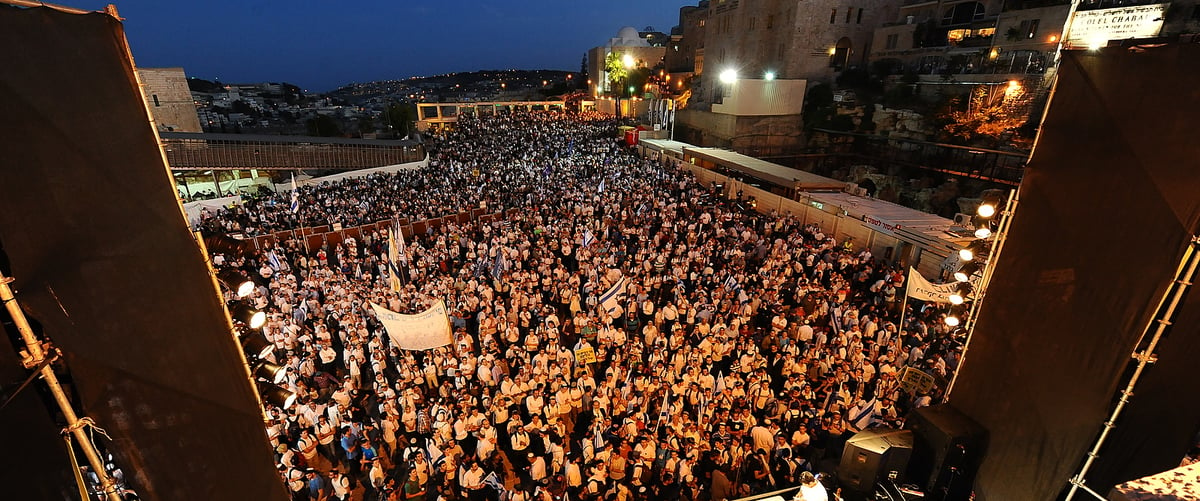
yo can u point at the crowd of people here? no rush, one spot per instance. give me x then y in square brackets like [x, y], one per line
[745, 350]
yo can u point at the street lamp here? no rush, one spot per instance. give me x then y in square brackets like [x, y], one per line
[728, 76]
[627, 61]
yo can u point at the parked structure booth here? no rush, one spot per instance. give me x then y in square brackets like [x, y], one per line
[892, 231]
[772, 177]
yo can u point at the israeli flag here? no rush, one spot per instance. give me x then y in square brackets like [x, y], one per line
[731, 284]
[611, 300]
[273, 259]
[493, 481]
[601, 188]
[295, 196]
[588, 238]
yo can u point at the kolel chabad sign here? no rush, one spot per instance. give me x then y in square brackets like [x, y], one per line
[1096, 27]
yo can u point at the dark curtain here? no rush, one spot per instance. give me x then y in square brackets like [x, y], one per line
[104, 259]
[1108, 205]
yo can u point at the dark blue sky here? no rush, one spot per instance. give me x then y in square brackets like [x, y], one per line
[320, 45]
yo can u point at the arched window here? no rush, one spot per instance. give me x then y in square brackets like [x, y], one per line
[841, 54]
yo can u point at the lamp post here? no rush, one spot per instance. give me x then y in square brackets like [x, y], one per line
[627, 61]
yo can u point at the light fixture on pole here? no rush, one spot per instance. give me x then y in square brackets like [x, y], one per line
[269, 371]
[986, 210]
[241, 311]
[275, 395]
[964, 274]
[236, 281]
[255, 344]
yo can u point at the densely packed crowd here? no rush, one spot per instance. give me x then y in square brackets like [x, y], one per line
[748, 349]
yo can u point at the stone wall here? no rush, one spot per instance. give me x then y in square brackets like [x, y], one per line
[750, 135]
[169, 99]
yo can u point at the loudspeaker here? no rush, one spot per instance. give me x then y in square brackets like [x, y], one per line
[870, 455]
[947, 449]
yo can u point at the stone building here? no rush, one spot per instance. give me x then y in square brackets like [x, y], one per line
[685, 53]
[627, 42]
[811, 40]
[169, 99]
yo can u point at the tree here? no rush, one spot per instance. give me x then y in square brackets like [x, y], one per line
[323, 126]
[400, 117]
[583, 73]
[614, 66]
[366, 125]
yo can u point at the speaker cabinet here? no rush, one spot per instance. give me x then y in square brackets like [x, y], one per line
[870, 455]
[947, 449]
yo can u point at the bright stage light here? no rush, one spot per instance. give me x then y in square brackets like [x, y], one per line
[956, 299]
[770, 75]
[728, 76]
[237, 282]
[952, 321]
[269, 371]
[274, 395]
[964, 274]
[241, 311]
[966, 254]
[986, 210]
[983, 232]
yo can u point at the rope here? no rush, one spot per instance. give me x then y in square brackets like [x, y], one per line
[83, 495]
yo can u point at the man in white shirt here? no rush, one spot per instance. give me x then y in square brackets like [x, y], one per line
[810, 489]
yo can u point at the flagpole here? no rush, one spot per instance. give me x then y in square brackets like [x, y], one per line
[904, 302]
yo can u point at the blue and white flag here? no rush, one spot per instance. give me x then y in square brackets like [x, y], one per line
[397, 257]
[295, 196]
[731, 284]
[499, 265]
[611, 301]
[863, 418]
[273, 259]
[588, 238]
[493, 481]
[601, 188]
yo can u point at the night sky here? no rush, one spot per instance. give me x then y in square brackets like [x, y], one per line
[322, 45]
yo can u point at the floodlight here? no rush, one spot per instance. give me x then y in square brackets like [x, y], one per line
[236, 281]
[241, 311]
[275, 395]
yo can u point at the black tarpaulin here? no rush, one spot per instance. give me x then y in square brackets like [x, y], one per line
[1107, 207]
[103, 258]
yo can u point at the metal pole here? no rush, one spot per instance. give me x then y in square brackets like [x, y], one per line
[1180, 286]
[981, 292]
[74, 424]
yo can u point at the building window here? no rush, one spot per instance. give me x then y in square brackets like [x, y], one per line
[859, 17]
[155, 96]
[1029, 28]
[892, 41]
[702, 23]
[849, 11]
[833, 16]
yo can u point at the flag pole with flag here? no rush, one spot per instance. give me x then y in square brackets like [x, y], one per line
[396, 256]
[295, 196]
